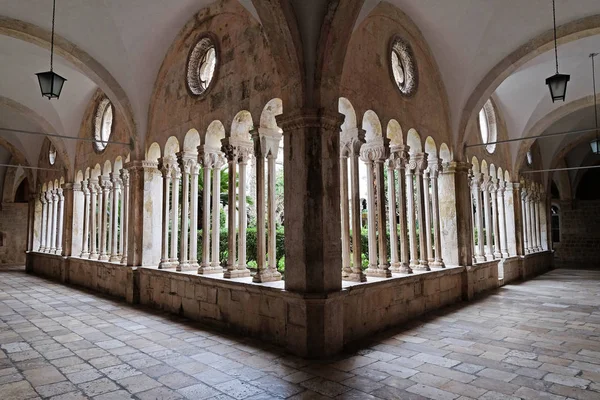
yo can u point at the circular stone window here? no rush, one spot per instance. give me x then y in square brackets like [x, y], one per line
[529, 158]
[487, 126]
[403, 66]
[202, 65]
[52, 155]
[103, 124]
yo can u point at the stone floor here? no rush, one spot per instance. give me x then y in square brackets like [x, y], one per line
[535, 340]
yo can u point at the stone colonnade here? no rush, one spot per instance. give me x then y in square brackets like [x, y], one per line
[52, 220]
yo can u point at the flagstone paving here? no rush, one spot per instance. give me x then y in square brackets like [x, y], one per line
[535, 340]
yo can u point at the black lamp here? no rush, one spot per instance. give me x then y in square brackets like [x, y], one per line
[51, 83]
[557, 83]
[595, 144]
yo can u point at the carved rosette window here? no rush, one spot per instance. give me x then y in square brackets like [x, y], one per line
[202, 66]
[403, 66]
[52, 155]
[103, 124]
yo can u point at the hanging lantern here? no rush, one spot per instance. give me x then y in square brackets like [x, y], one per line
[557, 83]
[51, 84]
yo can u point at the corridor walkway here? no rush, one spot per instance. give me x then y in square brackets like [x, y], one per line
[535, 340]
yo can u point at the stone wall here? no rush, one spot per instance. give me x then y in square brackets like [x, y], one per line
[13, 229]
[269, 312]
[509, 269]
[579, 235]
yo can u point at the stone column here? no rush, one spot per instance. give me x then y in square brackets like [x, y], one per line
[44, 224]
[476, 186]
[496, 231]
[485, 188]
[502, 218]
[261, 245]
[207, 166]
[393, 212]
[219, 161]
[273, 138]
[232, 154]
[357, 274]
[165, 168]
[529, 222]
[245, 156]
[435, 166]
[185, 168]
[71, 235]
[114, 213]
[54, 217]
[426, 233]
[61, 215]
[398, 157]
[421, 164]
[383, 269]
[344, 153]
[194, 171]
[93, 186]
[410, 211]
[106, 188]
[124, 216]
[371, 217]
[176, 177]
[524, 219]
[538, 221]
[514, 216]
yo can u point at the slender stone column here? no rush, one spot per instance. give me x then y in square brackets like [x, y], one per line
[124, 216]
[435, 166]
[357, 274]
[273, 274]
[421, 163]
[231, 152]
[94, 187]
[534, 221]
[185, 167]
[61, 215]
[106, 187]
[479, 249]
[346, 269]
[502, 218]
[485, 188]
[176, 177]
[114, 213]
[530, 222]
[207, 167]
[219, 161]
[399, 156]
[514, 216]
[194, 171]
[165, 168]
[410, 211]
[53, 225]
[245, 155]
[85, 243]
[44, 224]
[371, 220]
[426, 233]
[538, 207]
[261, 245]
[524, 219]
[496, 230]
[383, 269]
[392, 210]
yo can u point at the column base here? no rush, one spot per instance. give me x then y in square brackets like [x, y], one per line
[124, 261]
[41, 249]
[84, 255]
[236, 273]
[266, 276]
[166, 264]
[183, 266]
[505, 255]
[103, 257]
[346, 272]
[355, 277]
[210, 269]
[114, 258]
[423, 266]
[438, 264]
[489, 257]
[371, 270]
[497, 255]
[380, 272]
[401, 269]
[479, 259]
[93, 256]
[52, 251]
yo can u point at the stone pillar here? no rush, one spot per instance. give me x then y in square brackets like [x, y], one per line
[502, 218]
[346, 269]
[44, 224]
[383, 269]
[371, 220]
[123, 240]
[399, 157]
[435, 166]
[476, 186]
[495, 223]
[392, 210]
[261, 245]
[524, 219]
[144, 214]
[273, 138]
[219, 161]
[539, 222]
[485, 188]
[85, 246]
[194, 171]
[165, 168]
[421, 164]
[410, 211]
[106, 188]
[114, 213]
[245, 156]
[426, 233]
[176, 177]
[232, 154]
[514, 216]
[357, 274]
[185, 167]
[31, 226]
[207, 159]
[61, 215]
[53, 219]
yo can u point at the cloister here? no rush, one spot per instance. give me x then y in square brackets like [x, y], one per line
[313, 176]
